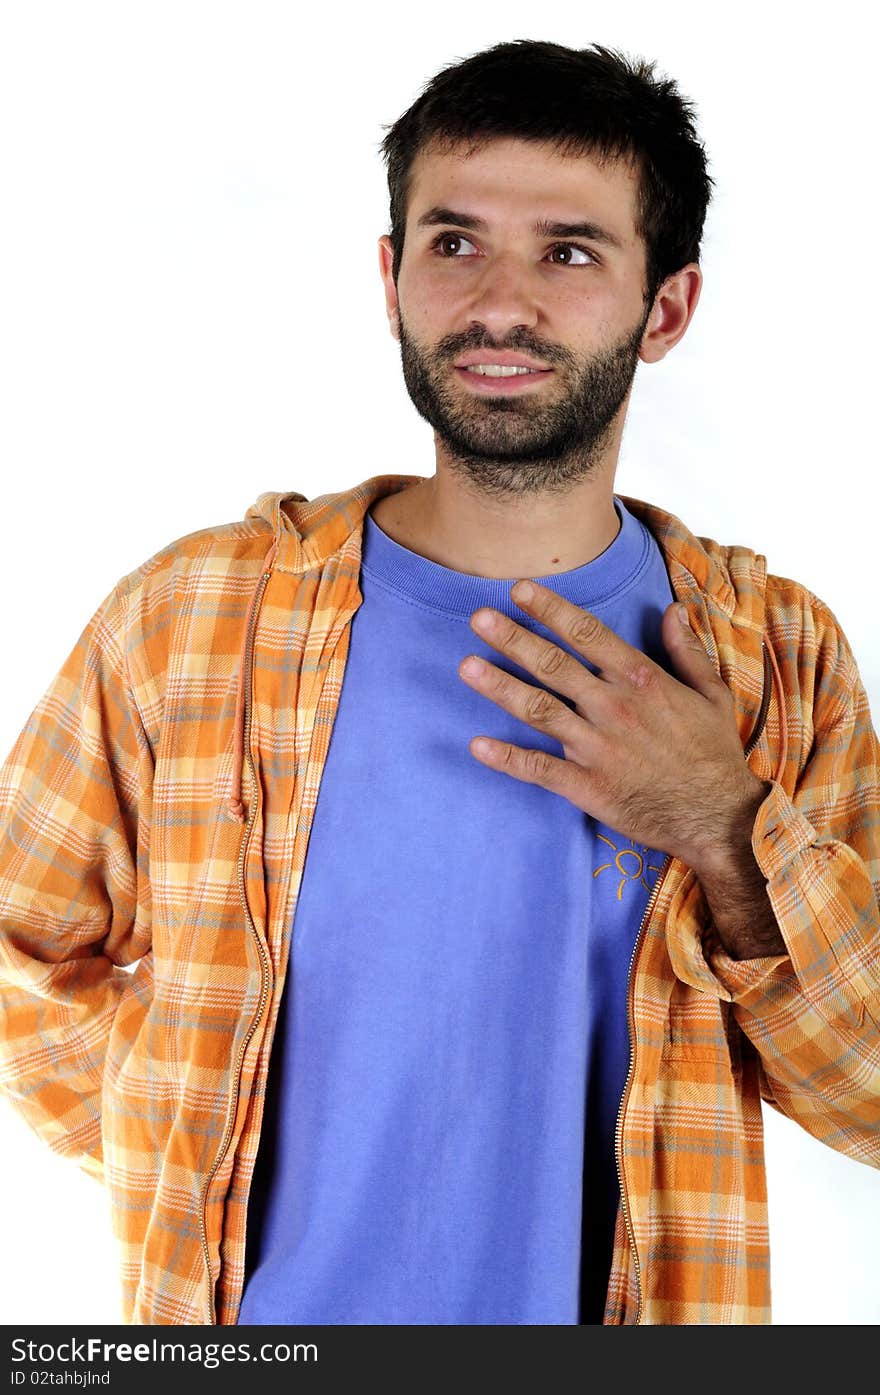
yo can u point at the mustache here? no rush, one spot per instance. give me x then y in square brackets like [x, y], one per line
[451, 348]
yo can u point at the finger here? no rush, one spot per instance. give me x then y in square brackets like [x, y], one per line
[690, 660]
[535, 706]
[579, 628]
[556, 668]
[533, 768]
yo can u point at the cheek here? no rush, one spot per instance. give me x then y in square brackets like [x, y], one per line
[586, 304]
[424, 300]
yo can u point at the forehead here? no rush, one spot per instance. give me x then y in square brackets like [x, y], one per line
[508, 182]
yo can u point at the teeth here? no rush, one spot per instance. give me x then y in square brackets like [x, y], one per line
[497, 370]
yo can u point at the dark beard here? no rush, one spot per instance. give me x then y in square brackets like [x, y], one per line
[520, 445]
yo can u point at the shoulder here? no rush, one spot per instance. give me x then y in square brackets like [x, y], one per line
[811, 646]
[184, 606]
[198, 559]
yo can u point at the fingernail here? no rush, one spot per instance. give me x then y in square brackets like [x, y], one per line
[683, 615]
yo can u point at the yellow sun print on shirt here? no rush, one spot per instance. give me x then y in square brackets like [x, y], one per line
[635, 872]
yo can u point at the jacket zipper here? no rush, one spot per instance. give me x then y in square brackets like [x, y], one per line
[264, 962]
[618, 1132]
[618, 1139]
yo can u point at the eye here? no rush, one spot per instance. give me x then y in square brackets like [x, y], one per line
[448, 237]
[573, 247]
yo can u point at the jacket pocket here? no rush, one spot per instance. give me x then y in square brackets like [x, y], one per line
[701, 1027]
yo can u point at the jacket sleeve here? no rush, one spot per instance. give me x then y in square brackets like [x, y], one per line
[74, 796]
[813, 1014]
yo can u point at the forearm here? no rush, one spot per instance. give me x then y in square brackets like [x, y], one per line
[736, 890]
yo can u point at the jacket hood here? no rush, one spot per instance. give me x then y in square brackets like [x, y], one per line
[723, 587]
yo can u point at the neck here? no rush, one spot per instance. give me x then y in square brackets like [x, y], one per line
[450, 521]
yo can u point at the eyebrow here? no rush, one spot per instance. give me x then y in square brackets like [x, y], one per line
[593, 232]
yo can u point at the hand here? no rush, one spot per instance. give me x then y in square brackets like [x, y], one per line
[657, 759]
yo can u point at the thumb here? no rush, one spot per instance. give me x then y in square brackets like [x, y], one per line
[691, 662]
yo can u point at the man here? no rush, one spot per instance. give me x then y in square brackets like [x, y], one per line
[422, 1030]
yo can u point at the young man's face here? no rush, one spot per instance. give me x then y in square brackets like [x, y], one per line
[572, 303]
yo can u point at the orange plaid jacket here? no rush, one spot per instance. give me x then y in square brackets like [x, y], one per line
[155, 812]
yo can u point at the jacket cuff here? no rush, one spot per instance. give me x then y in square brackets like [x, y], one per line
[779, 834]
[740, 977]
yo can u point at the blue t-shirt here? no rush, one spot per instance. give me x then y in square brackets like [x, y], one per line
[452, 1042]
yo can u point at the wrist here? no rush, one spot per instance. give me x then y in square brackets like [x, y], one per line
[743, 922]
[728, 847]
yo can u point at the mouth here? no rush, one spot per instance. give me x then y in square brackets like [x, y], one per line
[501, 384]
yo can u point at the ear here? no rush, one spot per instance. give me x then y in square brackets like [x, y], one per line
[386, 261]
[671, 313]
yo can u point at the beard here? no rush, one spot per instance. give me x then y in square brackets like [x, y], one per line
[531, 442]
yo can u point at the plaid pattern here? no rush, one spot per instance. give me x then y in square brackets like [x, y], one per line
[155, 813]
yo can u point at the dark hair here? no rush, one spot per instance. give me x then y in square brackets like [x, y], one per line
[586, 101]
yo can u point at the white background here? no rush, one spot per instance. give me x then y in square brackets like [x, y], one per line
[190, 201]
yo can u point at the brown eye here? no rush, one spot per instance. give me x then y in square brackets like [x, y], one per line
[570, 247]
[442, 239]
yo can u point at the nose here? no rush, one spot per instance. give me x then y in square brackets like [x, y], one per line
[503, 299]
